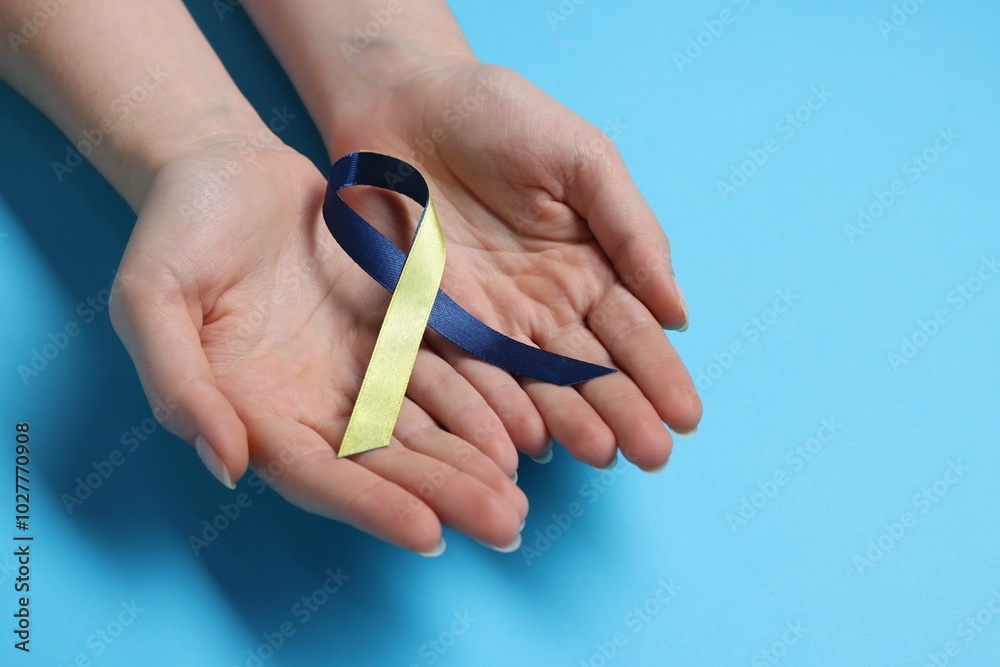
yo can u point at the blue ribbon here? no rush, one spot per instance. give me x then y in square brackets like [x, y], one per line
[383, 261]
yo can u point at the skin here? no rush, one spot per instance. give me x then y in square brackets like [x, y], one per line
[259, 348]
[549, 240]
[215, 300]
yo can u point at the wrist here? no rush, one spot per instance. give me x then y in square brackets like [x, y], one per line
[349, 59]
[132, 85]
[133, 159]
[383, 93]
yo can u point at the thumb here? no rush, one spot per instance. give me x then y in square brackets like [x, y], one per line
[604, 194]
[160, 330]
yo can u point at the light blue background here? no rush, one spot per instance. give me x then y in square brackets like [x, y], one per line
[738, 587]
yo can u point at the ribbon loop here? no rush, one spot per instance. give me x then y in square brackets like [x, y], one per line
[417, 302]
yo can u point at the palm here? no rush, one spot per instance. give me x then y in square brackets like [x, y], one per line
[286, 323]
[549, 242]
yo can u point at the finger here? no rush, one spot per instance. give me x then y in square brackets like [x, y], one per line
[517, 412]
[455, 404]
[161, 333]
[457, 498]
[640, 434]
[419, 433]
[604, 194]
[460, 500]
[300, 464]
[638, 345]
[573, 422]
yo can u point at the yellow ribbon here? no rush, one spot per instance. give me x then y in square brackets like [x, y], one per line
[374, 416]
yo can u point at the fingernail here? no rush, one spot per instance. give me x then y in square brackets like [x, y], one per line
[686, 434]
[212, 461]
[611, 465]
[684, 307]
[658, 469]
[522, 525]
[436, 551]
[513, 477]
[513, 546]
[544, 458]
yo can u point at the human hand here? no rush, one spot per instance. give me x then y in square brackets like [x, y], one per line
[550, 242]
[255, 349]
[243, 312]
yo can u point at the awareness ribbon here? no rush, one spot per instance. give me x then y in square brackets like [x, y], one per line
[417, 302]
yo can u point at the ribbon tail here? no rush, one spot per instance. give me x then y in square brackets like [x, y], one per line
[377, 407]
